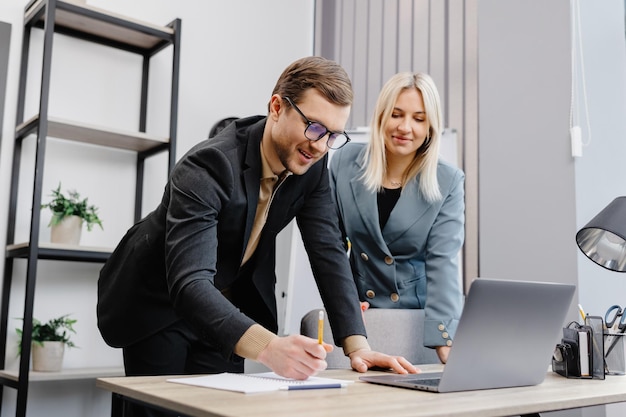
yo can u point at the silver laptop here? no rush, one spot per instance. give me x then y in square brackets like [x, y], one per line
[505, 338]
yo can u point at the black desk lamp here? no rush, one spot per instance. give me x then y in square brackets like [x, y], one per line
[603, 239]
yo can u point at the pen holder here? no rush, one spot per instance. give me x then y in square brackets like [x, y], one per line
[614, 353]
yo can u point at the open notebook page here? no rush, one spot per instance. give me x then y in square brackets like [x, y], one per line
[259, 382]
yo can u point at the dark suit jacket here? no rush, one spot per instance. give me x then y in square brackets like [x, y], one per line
[178, 261]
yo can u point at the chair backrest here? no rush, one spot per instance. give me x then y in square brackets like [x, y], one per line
[220, 125]
[391, 331]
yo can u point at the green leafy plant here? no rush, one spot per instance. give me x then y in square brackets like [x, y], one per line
[55, 330]
[63, 206]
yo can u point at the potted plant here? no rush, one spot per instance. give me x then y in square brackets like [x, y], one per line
[48, 342]
[68, 214]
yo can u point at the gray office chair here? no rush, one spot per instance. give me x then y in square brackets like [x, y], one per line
[391, 331]
[220, 125]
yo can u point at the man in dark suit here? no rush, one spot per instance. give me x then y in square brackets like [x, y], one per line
[190, 288]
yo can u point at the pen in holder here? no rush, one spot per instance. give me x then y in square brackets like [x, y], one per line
[614, 356]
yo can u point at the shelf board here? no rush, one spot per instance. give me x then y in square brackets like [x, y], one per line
[61, 252]
[85, 21]
[94, 135]
[65, 374]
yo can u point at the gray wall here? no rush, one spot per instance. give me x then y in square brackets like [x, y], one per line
[527, 207]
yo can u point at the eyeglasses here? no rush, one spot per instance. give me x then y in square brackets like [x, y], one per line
[315, 131]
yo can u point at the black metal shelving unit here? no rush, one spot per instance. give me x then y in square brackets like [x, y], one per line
[99, 26]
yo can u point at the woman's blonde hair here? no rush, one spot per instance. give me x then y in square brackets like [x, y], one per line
[426, 157]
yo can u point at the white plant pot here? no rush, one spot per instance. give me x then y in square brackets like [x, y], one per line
[49, 357]
[68, 231]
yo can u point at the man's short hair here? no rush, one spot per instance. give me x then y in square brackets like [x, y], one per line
[324, 75]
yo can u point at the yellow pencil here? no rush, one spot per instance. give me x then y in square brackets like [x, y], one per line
[320, 328]
[582, 312]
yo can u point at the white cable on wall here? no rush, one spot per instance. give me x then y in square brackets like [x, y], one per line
[578, 62]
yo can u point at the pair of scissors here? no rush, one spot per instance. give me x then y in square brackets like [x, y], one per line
[615, 319]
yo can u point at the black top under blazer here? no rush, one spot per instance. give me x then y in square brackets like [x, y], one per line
[179, 260]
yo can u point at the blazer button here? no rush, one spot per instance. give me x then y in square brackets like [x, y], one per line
[445, 335]
[370, 294]
[388, 260]
[449, 342]
[364, 256]
[441, 327]
[394, 297]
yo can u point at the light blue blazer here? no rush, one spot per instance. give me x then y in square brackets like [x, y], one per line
[413, 261]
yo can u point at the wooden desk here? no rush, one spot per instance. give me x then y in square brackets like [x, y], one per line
[362, 399]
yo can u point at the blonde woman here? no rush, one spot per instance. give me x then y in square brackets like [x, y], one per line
[402, 209]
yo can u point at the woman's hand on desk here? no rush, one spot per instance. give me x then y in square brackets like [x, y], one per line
[363, 359]
[295, 356]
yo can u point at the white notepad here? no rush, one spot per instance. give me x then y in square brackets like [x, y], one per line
[259, 382]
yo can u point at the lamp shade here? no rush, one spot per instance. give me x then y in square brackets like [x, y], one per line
[603, 239]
